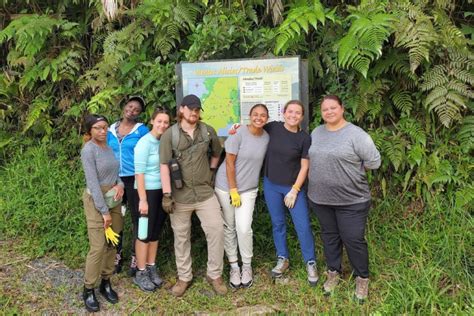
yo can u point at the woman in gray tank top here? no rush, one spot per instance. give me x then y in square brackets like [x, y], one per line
[338, 191]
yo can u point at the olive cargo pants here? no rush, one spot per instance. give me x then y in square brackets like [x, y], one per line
[101, 256]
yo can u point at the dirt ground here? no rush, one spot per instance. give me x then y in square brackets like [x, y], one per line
[46, 286]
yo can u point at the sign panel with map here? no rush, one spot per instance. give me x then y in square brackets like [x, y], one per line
[228, 89]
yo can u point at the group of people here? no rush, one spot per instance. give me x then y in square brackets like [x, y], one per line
[172, 171]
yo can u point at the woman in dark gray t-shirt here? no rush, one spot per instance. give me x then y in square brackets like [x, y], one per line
[338, 191]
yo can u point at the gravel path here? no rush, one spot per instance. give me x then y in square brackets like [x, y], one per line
[48, 287]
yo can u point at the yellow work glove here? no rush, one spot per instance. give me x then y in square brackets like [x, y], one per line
[111, 236]
[235, 198]
[290, 198]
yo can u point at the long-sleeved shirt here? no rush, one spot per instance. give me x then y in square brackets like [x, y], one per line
[338, 160]
[100, 168]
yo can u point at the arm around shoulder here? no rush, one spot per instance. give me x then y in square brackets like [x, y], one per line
[216, 147]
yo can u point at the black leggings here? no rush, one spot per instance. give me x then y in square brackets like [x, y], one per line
[344, 225]
[156, 215]
[129, 197]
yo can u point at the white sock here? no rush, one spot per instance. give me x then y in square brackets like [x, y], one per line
[247, 265]
[234, 265]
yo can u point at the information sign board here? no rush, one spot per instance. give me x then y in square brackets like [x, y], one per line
[229, 88]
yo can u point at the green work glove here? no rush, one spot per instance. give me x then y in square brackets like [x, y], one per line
[235, 198]
[168, 203]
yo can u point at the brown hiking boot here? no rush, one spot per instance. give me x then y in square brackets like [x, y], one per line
[362, 288]
[331, 282]
[180, 287]
[218, 285]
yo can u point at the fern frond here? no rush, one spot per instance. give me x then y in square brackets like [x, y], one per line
[415, 32]
[413, 128]
[447, 112]
[371, 26]
[465, 76]
[434, 78]
[416, 154]
[450, 34]
[38, 107]
[394, 149]
[300, 16]
[465, 196]
[465, 134]
[402, 101]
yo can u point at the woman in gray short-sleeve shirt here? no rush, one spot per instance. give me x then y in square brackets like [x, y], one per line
[338, 191]
[236, 189]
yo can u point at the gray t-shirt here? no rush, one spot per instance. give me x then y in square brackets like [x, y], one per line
[250, 151]
[337, 165]
[100, 168]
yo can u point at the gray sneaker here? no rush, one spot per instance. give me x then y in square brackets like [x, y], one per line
[247, 276]
[331, 282]
[282, 265]
[234, 278]
[312, 270]
[142, 279]
[153, 275]
[362, 288]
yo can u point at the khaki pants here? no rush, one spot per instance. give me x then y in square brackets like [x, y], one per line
[209, 214]
[101, 256]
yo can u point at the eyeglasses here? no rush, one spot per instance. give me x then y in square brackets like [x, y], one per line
[98, 128]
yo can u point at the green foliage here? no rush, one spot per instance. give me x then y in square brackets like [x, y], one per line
[40, 201]
[371, 26]
[466, 134]
[415, 32]
[301, 15]
[449, 86]
[228, 33]
[170, 19]
[44, 211]
[64, 59]
[31, 33]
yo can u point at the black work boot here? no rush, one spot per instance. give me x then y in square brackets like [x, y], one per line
[107, 292]
[90, 301]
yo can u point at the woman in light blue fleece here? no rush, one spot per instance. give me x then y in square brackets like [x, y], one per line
[150, 195]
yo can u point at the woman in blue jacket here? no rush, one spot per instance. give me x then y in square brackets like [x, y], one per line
[122, 137]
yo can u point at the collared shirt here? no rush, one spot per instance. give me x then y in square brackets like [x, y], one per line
[194, 163]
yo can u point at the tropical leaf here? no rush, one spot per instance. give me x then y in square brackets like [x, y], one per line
[301, 15]
[371, 26]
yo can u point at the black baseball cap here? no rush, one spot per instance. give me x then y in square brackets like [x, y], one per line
[191, 101]
[137, 98]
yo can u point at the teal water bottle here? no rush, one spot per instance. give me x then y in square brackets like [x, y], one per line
[143, 227]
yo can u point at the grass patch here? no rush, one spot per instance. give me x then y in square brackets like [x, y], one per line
[421, 262]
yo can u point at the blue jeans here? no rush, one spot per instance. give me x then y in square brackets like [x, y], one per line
[274, 195]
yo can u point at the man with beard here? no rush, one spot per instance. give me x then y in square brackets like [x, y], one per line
[190, 142]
